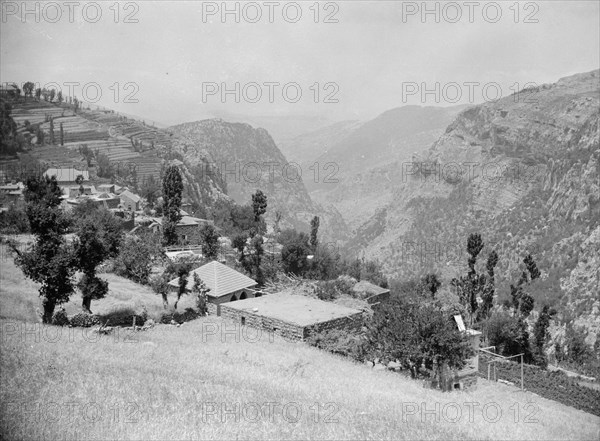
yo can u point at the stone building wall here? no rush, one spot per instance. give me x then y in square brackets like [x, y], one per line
[192, 233]
[286, 329]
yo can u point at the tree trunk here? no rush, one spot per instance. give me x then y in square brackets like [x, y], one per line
[165, 300]
[49, 306]
[86, 304]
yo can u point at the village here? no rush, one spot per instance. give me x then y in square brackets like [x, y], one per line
[230, 294]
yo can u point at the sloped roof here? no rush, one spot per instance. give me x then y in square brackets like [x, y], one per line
[67, 174]
[368, 288]
[221, 279]
[130, 195]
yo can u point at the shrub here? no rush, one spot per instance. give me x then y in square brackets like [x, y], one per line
[84, 320]
[124, 317]
[186, 316]
[338, 342]
[60, 318]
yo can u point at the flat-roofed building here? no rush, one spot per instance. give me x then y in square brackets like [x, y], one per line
[294, 317]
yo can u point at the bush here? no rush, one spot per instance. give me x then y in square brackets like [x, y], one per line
[338, 342]
[332, 289]
[14, 220]
[84, 320]
[188, 315]
[60, 318]
[124, 317]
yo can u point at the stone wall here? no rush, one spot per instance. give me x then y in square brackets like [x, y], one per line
[285, 329]
[192, 233]
[279, 327]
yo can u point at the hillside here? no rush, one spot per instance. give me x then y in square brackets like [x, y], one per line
[248, 159]
[309, 146]
[179, 382]
[354, 159]
[532, 186]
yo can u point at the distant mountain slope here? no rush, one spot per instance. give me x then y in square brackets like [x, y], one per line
[249, 160]
[355, 170]
[530, 183]
[309, 146]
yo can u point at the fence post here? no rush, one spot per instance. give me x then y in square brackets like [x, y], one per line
[522, 388]
[489, 366]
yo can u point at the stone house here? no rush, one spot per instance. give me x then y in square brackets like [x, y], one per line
[130, 201]
[225, 283]
[67, 176]
[370, 292]
[294, 317]
[187, 229]
[108, 188]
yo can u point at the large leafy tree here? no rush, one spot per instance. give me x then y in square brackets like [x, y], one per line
[294, 252]
[210, 242]
[416, 333]
[28, 89]
[99, 236]
[50, 261]
[172, 189]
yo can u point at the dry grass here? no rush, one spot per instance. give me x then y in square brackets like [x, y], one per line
[60, 383]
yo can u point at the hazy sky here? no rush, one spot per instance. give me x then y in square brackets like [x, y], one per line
[373, 53]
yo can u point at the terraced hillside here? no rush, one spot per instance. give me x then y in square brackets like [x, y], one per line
[104, 131]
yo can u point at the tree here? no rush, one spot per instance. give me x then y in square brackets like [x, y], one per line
[508, 334]
[577, 350]
[314, 231]
[183, 272]
[210, 242]
[38, 93]
[470, 287]
[416, 333]
[104, 167]
[150, 190]
[52, 131]
[256, 254]
[200, 290]
[489, 290]
[259, 204]
[45, 94]
[50, 261]
[87, 154]
[28, 89]
[522, 301]
[172, 189]
[541, 334]
[99, 236]
[431, 283]
[136, 256]
[294, 251]
[52, 94]
[59, 97]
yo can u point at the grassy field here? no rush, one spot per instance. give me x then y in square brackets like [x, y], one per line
[209, 379]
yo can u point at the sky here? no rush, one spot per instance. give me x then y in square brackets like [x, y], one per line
[169, 61]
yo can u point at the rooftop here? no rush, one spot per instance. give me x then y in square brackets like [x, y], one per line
[130, 195]
[68, 174]
[368, 288]
[290, 308]
[221, 279]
